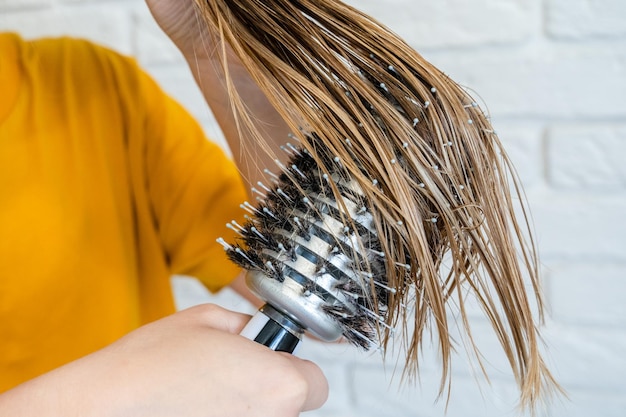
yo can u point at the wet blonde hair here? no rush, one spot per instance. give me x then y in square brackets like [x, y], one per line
[426, 157]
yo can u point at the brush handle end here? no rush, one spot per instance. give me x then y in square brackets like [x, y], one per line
[273, 329]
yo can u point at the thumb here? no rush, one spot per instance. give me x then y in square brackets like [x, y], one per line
[218, 318]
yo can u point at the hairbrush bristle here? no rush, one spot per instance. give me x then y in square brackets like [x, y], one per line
[298, 213]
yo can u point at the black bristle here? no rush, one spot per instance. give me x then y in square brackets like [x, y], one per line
[358, 330]
[274, 270]
[246, 259]
[299, 207]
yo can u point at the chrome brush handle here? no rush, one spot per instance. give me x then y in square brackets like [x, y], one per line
[273, 329]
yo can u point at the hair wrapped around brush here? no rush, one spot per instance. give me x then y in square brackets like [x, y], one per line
[425, 156]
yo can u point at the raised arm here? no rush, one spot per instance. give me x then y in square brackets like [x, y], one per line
[204, 54]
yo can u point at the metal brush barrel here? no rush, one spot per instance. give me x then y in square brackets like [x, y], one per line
[307, 293]
[312, 253]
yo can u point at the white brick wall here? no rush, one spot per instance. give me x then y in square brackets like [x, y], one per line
[553, 73]
[580, 19]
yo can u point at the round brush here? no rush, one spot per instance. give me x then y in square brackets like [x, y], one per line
[315, 261]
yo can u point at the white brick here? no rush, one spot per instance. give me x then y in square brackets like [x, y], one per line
[588, 358]
[574, 286]
[523, 143]
[21, 4]
[587, 403]
[105, 25]
[583, 227]
[545, 80]
[580, 19]
[374, 396]
[426, 24]
[587, 157]
[87, 1]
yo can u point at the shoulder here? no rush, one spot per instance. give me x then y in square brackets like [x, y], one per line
[87, 65]
[99, 71]
[91, 62]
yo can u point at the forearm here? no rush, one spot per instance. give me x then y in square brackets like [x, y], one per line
[248, 156]
[239, 286]
[55, 394]
[181, 21]
[189, 364]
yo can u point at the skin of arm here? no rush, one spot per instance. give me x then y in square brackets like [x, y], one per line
[179, 21]
[239, 285]
[190, 364]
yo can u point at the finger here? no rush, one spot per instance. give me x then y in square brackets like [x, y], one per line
[219, 318]
[316, 381]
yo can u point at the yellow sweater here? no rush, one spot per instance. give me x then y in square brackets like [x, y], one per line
[107, 188]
